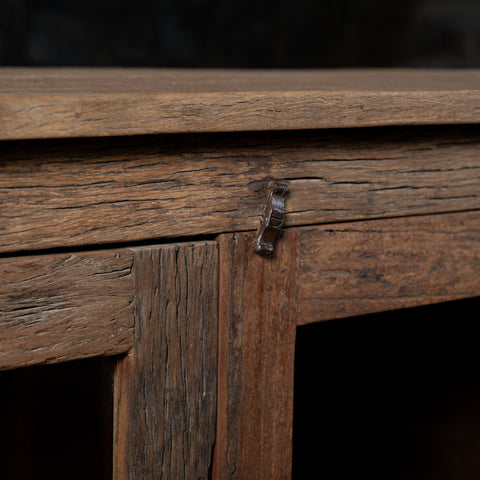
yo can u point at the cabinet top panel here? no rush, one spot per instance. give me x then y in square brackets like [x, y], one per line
[83, 102]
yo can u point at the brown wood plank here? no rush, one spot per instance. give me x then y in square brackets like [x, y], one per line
[256, 358]
[105, 191]
[365, 267]
[60, 307]
[165, 388]
[48, 103]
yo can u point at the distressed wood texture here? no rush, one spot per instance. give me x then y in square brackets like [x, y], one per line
[60, 307]
[318, 273]
[365, 267]
[165, 388]
[256, 359]
[49, 103]
[102, 191]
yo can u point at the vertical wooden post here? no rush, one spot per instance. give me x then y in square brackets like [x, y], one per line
[257, 311]
[165, 388]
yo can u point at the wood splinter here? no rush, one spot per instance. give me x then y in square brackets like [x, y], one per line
[272, 218]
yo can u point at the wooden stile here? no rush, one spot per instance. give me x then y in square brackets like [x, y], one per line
[255, 363]
[165, 388]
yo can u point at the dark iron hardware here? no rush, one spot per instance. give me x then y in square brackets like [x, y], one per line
[272, 217]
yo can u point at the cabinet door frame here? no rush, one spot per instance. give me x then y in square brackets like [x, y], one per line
[316, 274]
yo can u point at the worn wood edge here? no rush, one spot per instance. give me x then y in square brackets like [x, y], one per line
[165, 400]
[443, 248]
[52, 308]
[89, 115]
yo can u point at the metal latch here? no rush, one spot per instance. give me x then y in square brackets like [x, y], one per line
[272, 218]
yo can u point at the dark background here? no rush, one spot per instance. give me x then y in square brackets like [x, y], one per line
[247, 33]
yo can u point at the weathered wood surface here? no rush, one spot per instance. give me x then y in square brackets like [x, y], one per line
[256, 358]
[165, 388]
[102, 191]
[60, 307]
[48, 103]
[366, 267]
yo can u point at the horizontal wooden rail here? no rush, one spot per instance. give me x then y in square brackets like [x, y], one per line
[71, 193]
[55, 308]
[366, 267]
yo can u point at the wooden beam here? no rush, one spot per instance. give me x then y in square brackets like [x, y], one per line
[108, 191]
[60, 307]
[256, 359]
[165, 388]
[365, 267]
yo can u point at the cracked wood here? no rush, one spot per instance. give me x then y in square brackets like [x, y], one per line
[165, 388]
[69, 193]
[55, 308]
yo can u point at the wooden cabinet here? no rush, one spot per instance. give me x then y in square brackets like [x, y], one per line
[129, 201]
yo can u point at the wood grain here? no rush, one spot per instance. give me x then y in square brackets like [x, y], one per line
[73, 193]
[364, 267]
[50, 103]
[55, 308]
[256, 360]
[165, 388]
